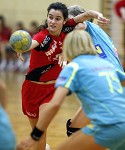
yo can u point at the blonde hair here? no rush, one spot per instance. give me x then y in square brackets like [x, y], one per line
[78, 42]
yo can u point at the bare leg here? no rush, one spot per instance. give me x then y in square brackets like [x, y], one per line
[79, 120]
[80, 141]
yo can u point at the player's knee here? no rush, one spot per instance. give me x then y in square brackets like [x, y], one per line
[69, 129]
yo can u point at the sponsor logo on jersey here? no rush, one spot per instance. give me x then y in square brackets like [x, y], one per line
[100, 51]
[31, 114]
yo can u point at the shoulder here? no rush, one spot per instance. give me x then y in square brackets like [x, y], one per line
[69, 26]
[42, 36]
[70, 22]
[41, 33]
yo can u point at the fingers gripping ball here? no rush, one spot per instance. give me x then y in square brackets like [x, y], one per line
[20, 41]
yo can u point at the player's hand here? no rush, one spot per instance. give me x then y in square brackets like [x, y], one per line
[102, 20]
[62, 62]
[19, 55]
[26, 144]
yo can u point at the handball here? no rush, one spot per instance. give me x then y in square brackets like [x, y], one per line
[20, 41]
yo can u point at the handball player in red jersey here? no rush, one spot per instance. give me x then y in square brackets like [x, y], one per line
[46, 61]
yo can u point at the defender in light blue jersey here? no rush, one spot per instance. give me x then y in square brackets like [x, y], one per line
[96, 84]
[104, 46]
[99, 90]
[7, 136]
[102, 42]
[105, 49]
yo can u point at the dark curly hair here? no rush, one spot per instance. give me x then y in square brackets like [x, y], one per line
[56, 6]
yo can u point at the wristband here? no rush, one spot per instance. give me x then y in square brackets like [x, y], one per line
[36, 134]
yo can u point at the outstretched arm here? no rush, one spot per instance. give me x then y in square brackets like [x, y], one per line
[53, 106]
[92, 14]
[45, 117]
[33, 45]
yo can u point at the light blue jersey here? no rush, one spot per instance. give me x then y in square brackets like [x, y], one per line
[7, 137]
[96, 84]
[104, 46]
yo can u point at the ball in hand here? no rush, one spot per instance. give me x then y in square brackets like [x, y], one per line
[20, 41]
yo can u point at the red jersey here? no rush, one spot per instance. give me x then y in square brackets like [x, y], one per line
[118, 5]
[44, 58]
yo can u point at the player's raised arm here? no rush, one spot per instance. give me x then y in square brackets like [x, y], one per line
[92, 14]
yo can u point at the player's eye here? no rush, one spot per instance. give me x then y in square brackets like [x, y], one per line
[50, 17]
[58, 19]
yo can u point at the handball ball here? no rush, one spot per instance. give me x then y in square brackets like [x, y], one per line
[20, 41]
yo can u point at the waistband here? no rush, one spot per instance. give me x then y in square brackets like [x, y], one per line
[48, 82]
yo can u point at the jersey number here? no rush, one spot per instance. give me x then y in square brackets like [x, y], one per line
[110, 77]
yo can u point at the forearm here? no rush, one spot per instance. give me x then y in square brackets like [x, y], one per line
[48, 111]
[92, 14]
[46, 115]
[33, 45]
[87, 15]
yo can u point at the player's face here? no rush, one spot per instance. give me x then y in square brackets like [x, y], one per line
[55, 21]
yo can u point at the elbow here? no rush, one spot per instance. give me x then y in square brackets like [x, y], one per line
[55, 106]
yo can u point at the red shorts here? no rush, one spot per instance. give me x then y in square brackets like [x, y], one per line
[33, 95]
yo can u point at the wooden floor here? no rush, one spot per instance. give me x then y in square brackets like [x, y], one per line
[56, 131]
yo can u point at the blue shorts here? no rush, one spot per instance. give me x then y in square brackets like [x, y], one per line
[109, 136]
[7, 137]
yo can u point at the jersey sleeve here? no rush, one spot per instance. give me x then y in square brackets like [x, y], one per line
[39, 37]
[69, 26]
[68, 78]
[71, 22]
